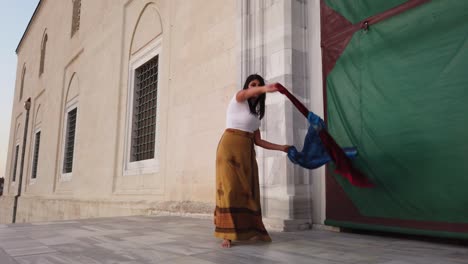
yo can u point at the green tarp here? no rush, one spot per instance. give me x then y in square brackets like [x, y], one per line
[399, 93]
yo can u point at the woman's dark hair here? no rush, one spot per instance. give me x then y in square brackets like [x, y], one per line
[256, 105]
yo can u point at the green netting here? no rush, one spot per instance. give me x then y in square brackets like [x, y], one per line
[357, 10]
[400, 94]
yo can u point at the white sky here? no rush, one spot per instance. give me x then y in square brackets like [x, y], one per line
[14, 17]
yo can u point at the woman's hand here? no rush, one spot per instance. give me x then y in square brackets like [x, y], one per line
[272, 87]
[285, 148]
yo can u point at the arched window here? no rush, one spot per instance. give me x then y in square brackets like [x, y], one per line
[37, 142]
[142, 140]
[76, 17]
[16, 152]
[43, 52]
[69, 128]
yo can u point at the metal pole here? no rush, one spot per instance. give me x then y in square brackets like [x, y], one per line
[27, 106]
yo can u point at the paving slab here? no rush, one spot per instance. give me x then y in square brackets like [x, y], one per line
[173, 239]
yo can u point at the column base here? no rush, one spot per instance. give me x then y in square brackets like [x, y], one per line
[287, 225]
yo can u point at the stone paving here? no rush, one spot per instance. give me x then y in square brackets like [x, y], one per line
[173, 239]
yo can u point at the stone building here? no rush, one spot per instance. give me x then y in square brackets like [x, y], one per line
[128, 102]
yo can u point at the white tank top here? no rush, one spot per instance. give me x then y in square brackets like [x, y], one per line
[239, 117]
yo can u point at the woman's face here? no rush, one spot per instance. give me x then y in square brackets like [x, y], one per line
[254, 83]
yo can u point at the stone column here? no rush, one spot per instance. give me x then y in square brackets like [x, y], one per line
[275, 40]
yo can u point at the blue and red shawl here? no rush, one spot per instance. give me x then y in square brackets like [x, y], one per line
[320, 148]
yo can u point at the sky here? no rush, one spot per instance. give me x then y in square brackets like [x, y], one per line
[14, 18]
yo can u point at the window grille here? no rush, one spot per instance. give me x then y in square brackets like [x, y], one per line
[144, 113]
[22, 84]
[70, 141]
[43, 51]
[36, 155]
[15, 164]
[76, 16]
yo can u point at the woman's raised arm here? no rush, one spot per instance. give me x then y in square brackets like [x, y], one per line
[243, 95]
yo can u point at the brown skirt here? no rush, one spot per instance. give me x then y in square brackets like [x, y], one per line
[238, 214]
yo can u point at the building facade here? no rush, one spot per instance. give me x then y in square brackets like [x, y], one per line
[128, 102]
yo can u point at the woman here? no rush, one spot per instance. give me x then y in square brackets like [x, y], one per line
[238, 214]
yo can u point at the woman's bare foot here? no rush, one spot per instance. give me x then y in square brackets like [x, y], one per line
[226, 243]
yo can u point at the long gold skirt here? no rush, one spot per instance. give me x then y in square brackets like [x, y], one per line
[238, 215]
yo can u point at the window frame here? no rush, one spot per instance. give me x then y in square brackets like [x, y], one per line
[36, 131]
[150, 165]
[71, 105]
[16, 157]
[43, 54]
